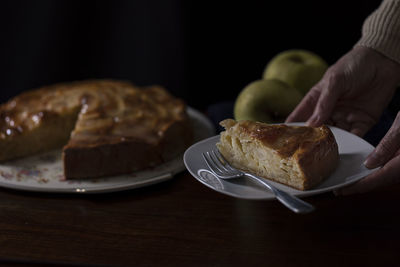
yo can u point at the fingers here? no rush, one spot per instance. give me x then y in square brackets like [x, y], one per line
[352, 119]
[339, 120]
[360, 128]
[361, 122]
[327, 101]
[387, 147]
[385, 176]
[305, 108]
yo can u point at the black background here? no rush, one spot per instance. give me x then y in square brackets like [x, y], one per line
[201, 51]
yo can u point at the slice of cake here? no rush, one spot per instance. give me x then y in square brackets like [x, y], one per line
[106, 127]
[297, 156]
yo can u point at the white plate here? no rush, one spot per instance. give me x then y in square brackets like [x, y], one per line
[44, 173]
[352, 152]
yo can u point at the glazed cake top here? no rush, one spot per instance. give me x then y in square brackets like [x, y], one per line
[285, 140]
[107, 111]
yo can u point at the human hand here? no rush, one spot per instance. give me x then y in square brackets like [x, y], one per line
[352, 95]
[353, 92]
[387, 155]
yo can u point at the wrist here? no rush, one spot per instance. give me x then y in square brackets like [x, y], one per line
[381, 30]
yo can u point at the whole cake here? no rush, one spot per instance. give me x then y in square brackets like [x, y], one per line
[105, 127]
[297, 156]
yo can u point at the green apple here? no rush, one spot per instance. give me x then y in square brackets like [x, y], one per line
[266, 101]
[300, 69]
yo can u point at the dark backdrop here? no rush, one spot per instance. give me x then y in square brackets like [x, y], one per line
[202, 51]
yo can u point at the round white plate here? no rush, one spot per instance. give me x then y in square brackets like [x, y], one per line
[44, 173]
[352, 152]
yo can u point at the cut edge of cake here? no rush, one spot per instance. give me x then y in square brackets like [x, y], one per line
[56, 134]
[83, 161]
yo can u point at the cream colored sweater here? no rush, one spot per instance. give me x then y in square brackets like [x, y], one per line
[381, 30]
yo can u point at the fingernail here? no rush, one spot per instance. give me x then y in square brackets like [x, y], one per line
[313, 121]
[372, 161]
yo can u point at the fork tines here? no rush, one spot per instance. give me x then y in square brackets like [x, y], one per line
[217, 163]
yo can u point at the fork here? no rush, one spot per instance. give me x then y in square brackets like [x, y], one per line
[220, 167]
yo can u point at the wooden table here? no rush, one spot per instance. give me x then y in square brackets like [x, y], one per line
[183, 223]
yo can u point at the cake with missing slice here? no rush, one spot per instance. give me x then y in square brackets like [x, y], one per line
[298, 156]
[105, 127]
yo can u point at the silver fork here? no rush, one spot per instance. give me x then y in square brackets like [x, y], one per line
[220, 167]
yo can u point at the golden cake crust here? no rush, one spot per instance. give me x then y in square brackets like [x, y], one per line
[100, 116]
[313, 151]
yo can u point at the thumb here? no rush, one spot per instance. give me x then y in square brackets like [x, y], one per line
[387, 147]
[330, 86]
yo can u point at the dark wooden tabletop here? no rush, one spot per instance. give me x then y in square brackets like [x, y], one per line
[180, 222]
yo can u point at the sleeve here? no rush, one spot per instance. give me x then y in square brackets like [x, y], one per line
[381, 30]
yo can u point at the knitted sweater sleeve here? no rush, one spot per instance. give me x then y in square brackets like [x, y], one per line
[381, 30]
